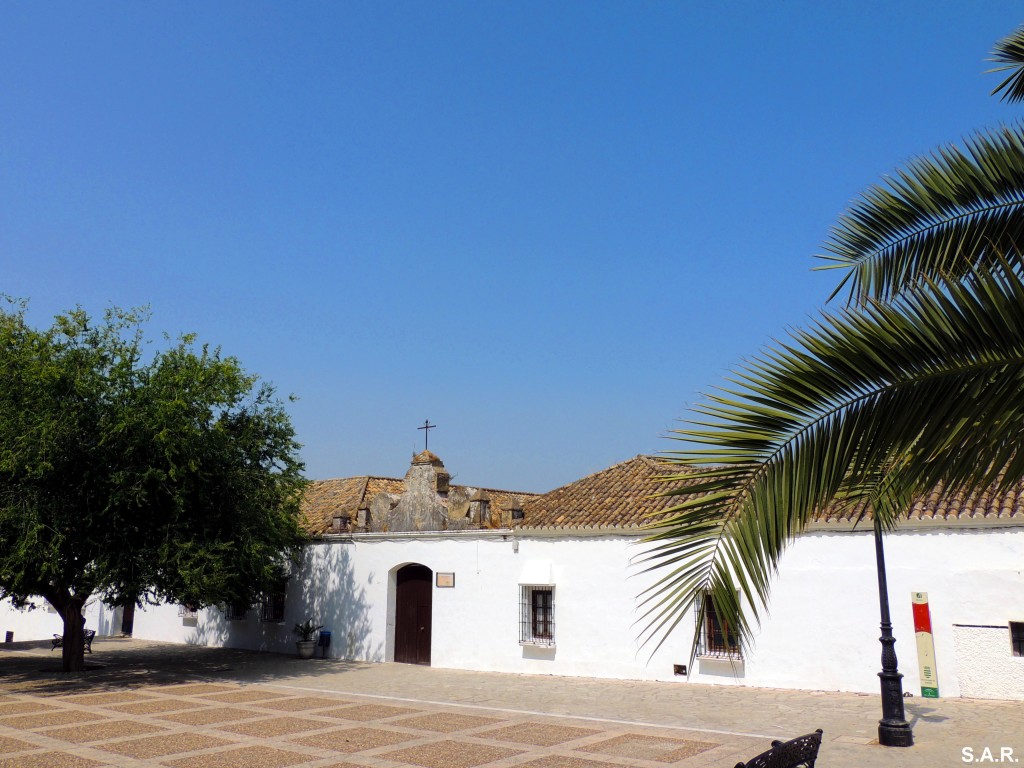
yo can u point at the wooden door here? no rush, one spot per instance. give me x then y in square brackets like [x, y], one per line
[413, 599]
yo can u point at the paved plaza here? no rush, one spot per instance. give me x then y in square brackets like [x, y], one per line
[154, 704]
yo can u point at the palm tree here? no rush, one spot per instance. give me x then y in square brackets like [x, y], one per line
[913, 384]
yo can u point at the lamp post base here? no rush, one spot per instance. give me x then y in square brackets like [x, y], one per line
[893, 728]
[895, 735]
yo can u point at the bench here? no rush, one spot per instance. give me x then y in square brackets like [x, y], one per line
[58, 641]
[801, 751]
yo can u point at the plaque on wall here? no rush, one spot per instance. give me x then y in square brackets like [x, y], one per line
[445, 579]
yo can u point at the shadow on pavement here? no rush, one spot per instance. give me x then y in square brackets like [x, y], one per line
[917, 712]
[120, 663]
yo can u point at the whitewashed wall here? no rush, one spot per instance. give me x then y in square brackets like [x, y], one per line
[349, 587]
[823, 623]
[986, 669]
[822, 631]
[42, 622]
[325, 587]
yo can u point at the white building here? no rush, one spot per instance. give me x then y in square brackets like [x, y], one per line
[419, 570]
[42, 622]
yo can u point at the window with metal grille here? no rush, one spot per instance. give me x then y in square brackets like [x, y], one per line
[716, 639]
[1017, 637]
[537, 616]
[188, 611]
[235, 611]
[272, 605]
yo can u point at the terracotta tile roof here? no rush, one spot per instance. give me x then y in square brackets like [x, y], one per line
[326, 499]
[987, 506]
[623, 496]
[617, 497]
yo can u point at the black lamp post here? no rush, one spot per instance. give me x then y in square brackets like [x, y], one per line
[893, 728]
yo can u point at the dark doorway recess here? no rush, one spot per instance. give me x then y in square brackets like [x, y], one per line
[128, 618]
[413, 598]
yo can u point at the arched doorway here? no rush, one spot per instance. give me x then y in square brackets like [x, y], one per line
[413, 603]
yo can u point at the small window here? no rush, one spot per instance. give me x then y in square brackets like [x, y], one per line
[189, 615]
[1017, 637]
[537, 616]
[235, 611]
[272, 605]
[716, 639]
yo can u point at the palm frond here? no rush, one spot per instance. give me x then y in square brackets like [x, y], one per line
[1009, 52]
[944, 214]
[871, 405]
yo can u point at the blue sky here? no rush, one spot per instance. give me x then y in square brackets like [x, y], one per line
[547, 227]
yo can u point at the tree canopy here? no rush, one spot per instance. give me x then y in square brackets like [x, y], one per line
[914, 384]
[173, 476]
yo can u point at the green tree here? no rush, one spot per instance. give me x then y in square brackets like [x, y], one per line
[174, 478]
[914, 384]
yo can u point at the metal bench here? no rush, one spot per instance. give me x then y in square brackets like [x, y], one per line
[58, 641]
[801, 751]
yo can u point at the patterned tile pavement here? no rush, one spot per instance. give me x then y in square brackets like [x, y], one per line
[233, 727]
[233, 710]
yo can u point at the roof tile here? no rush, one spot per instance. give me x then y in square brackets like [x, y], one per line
[628, 496]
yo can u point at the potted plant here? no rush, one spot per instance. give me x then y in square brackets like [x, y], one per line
[306, 644]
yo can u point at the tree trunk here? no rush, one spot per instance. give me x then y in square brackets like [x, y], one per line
[74, 636]
[70, 607]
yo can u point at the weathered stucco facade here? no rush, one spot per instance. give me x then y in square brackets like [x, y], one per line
[429, 502]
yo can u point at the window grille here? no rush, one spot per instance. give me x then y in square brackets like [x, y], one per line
[272, 605]
[715, 638]
[537, 616]
[188, 611]
[235, 611]
[1017, 637]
